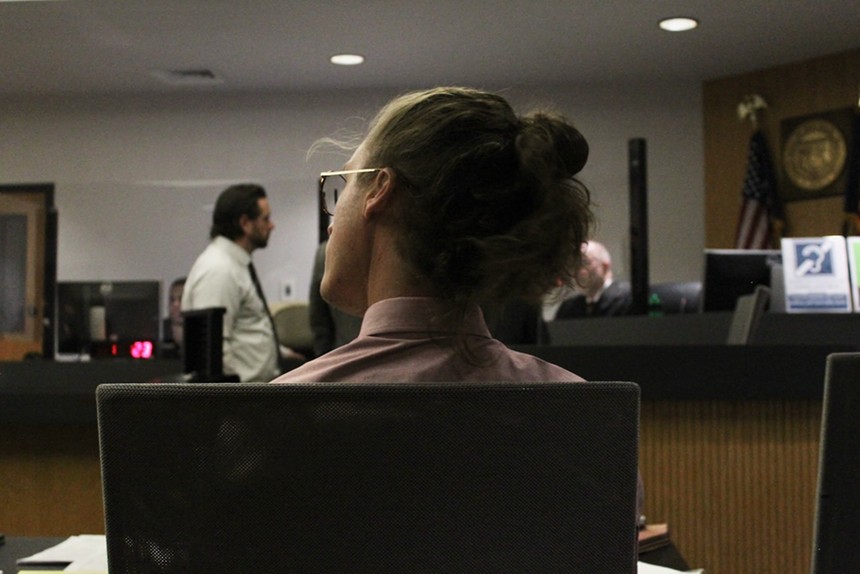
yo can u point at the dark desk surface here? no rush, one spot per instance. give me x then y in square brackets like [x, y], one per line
[64, 393]
[47, 392]
[707, 329]
[19, 547]
[702, 372]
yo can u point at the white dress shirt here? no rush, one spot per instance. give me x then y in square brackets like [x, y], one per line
[220, 278]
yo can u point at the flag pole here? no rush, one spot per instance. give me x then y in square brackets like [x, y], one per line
[760, 224]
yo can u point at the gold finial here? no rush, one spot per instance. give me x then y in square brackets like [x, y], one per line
[749, 106]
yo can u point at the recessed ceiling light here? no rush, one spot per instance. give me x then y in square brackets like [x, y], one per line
[347, 59]
[678, 24]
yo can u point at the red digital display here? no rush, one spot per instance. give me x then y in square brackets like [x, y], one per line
[136, 350]
[142, 349]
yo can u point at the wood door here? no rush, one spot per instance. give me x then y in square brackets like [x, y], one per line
[22, 273]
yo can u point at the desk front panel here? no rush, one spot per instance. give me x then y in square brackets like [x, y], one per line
[734, 478]
[51, 480]
[735, 481]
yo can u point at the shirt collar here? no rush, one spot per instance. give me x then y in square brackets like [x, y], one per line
[233, 249]
[599, 294]
[415, 315]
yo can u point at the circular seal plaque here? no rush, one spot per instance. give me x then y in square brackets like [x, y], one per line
[814, 154]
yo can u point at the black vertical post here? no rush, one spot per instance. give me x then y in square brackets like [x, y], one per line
[49, 306]
[323, 221]
[637, 167]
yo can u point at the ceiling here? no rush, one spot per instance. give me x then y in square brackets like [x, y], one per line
[120, 46]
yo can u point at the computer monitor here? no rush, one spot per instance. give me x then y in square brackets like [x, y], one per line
[730, 273]
[104, 319]
[678, 296]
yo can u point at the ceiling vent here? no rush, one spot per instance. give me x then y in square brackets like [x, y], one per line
[191, 77]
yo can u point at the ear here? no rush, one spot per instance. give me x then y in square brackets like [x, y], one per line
[246, 223]
[381, 193]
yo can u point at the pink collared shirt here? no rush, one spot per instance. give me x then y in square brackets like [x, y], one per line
[396, 344]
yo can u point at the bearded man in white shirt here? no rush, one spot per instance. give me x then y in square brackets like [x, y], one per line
[223, 276]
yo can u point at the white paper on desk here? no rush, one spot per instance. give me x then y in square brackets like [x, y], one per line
[96, 563]
[88, 550]
[645, 568]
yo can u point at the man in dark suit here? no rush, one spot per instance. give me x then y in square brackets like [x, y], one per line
[599, 295]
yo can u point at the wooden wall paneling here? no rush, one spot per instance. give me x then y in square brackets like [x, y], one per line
[735, 481]
[792, 90]
[814, 218]
[725, 148]
[50, 481]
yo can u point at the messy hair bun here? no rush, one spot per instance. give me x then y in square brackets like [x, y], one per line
[490, 209]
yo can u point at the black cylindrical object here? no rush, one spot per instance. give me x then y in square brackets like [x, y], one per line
[637, 168]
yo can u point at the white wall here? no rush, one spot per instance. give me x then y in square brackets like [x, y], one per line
[136, 177]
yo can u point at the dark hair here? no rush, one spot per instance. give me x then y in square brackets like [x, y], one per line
[232, 204]
[490, 210]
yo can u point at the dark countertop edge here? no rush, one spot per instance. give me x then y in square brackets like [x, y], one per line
[702, 372]
[44, 392]
[63, 393]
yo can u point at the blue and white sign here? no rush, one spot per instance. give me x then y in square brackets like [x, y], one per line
[816, 275]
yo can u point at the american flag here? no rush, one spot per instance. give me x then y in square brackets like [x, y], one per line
[760, 203]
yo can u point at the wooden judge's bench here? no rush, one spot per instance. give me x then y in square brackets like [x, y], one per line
[729, 434]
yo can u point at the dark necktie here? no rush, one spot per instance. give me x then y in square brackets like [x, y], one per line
[259, 287]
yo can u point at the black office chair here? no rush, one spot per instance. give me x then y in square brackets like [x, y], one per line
[404, 478]
[837, 510]
[293, 326]
[202, 346]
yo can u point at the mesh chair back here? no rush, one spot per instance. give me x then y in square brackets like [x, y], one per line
[358, 478]
[837, 512]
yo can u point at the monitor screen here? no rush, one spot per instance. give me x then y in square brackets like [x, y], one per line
[730, 273]
[108, 318]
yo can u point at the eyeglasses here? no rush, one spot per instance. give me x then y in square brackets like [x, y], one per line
[332, 183]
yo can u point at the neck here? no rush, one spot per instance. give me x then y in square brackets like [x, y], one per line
[596, 290]
[245, 243]
[390, 275]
